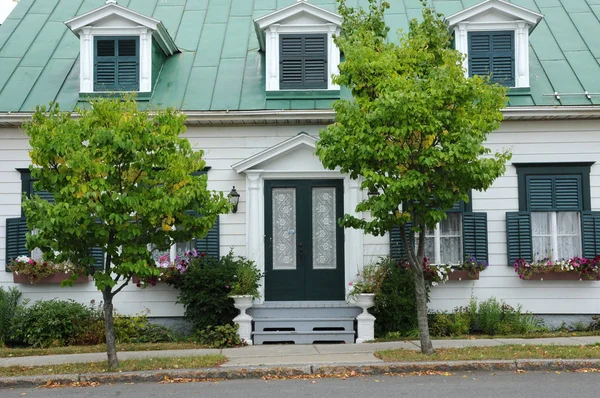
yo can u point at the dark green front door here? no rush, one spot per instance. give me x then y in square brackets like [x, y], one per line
[304, 245]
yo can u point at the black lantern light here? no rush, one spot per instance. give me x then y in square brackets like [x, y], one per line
[234, 199]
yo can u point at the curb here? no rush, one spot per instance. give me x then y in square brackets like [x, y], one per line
[253, 372]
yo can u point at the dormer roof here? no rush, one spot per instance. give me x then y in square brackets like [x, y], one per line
[112, 15]
[495, 11]
[300, 13]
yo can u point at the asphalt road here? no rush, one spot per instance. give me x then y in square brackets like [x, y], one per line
[467, 385]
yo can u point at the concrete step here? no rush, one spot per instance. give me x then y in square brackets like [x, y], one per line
[306, 337]
[303, 324]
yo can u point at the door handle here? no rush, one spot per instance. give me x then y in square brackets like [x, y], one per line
[300, 252]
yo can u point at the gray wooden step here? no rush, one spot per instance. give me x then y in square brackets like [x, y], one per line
[303, 324]
[304, 309]
[303, 337]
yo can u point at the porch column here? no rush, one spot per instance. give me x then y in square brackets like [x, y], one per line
[254, 233]
[354, 237]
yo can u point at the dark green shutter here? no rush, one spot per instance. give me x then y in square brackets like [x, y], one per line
[567, 191]
[493, 52]
[397, 251]
[475, 235]
[98, 255]
[41, 193]
[590, 230]
[116, 64]
[210, 243]
[553, 192]
[518, 236]
[303, 61]
[16, 242]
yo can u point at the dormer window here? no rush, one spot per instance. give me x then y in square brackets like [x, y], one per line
[116, 64]
[120, 49]
[493, 53]
[299, 50]
[494, 36]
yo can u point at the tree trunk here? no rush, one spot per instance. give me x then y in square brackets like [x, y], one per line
[421, 296]
[109, 321]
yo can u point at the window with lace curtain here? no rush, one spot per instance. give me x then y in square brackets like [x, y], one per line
[443, 245]
[554, 221]
[463, 234]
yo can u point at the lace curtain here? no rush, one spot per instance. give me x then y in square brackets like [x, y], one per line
[556, 235]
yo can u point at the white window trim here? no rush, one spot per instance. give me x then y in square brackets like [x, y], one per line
[437, 243]
[269, 27]
[521, 45]
[520, 20]
[272, 51]
[86, 49]
[139, 26]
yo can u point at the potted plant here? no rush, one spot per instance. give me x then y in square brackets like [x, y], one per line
[369, 282]
[576, 268]
[28, 270]
[244, 289]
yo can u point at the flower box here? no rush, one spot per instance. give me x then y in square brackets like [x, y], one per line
[462, 275]
[574, 269]
[52, 279]
[558, 276]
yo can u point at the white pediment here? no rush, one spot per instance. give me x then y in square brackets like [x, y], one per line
[300, 14]
[112, 16]
[293, 154]
[495, 11]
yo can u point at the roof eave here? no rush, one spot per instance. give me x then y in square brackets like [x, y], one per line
[326, 116]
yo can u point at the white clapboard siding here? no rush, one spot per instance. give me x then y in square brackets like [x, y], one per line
[530, 142]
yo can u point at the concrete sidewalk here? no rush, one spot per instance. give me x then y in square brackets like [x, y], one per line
[294, 355]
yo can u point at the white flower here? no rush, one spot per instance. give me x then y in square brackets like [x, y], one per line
[434, 283]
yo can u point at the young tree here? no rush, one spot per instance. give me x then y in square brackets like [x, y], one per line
[122, 181]
[413, 130]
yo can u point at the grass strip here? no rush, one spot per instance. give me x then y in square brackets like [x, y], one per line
[533, 335]
[6, 352]
[204, 361]
[516, 351]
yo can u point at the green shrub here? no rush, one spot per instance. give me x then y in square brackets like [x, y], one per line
[9, 303]
[457, 323]
[50, 323]
[222, 336]
[395, 306]
[136, 329]
[489, 316]
[497, 317]
[595, 324]
[204, 290]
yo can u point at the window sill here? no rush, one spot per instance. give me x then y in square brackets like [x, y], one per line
[518, 91]
[136, 95]
[304, 94]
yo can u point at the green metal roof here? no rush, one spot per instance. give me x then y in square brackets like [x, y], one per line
[220, 66]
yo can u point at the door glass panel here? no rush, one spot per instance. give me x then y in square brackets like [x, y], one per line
[324, 228]
[284, 228]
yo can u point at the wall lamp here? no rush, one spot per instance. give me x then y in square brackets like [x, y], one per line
[234, 199]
